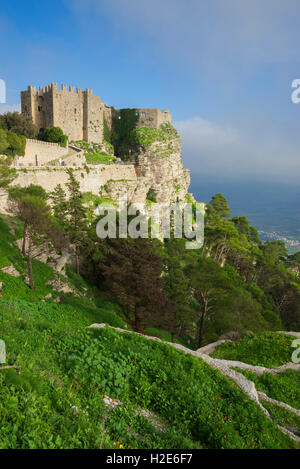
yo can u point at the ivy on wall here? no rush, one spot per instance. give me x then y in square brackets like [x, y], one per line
[123, 125]
[106, 131]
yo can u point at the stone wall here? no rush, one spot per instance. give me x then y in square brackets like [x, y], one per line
[152, 118]
[91, 180]
[38, 153]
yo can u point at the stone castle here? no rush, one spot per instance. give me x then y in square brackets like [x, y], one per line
[80, 114]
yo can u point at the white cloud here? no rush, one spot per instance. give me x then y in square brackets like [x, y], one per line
[218, 32]
[217, 150]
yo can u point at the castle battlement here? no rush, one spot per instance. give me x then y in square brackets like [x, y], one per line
[80, 114]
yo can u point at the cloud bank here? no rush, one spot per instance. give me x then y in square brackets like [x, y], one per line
[233, 153]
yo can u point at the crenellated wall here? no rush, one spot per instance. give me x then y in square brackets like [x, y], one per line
[78, 113]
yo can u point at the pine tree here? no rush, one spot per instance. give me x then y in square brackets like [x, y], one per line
[77, 221]
[133, 273]
[59, 205]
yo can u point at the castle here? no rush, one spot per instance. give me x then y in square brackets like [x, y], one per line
[80, 114]
[83, 116]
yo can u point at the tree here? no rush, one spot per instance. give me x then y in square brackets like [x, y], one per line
[19, 124]
[7, 173]
[133, 274]
[207, 281]
[76, 221]
[3, 141]
[177, 287]
[218, 206]
[12, 144]
[17, 193]
[59, 205]
[36, 216]
[54, 135]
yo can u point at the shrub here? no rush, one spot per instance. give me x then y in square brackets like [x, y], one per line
[54, 135]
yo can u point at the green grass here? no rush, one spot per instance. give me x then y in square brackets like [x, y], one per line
[99, 158]
[146, 136]
[284, 387]
[267, 349]
[284, 418]
[67, 367]
[202, 408]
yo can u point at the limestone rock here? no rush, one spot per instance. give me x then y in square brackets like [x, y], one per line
[10, 269]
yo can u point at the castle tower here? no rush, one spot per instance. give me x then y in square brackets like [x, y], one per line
[78, 113]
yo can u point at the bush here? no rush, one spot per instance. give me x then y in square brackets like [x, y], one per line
[12, 144]
[54, 135]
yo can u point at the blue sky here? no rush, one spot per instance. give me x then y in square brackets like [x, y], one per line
[224, 68]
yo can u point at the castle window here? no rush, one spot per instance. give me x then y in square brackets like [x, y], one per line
[143, 114]
[75, 110]
[39, 108]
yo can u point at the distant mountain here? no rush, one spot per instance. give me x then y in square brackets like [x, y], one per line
[273, 208]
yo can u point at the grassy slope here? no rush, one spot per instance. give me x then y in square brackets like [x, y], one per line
[270, 350]
[267, 349]
[57, 402]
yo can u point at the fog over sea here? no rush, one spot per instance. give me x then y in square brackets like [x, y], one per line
[273, 208]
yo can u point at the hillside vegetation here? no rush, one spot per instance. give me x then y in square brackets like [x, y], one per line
[105, 388]
[66, 369]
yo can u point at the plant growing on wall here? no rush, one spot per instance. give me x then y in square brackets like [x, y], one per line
[106, 131]
[151, 195]
[123, 125]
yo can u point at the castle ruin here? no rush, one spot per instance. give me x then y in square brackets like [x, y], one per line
[80, 114]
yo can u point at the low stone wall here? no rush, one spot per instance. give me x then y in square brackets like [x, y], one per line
[38, 153]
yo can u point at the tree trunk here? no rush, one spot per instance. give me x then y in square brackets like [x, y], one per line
[24, 240]
[77, 260]
[136, 324]
[29, 265]
[202, 323]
